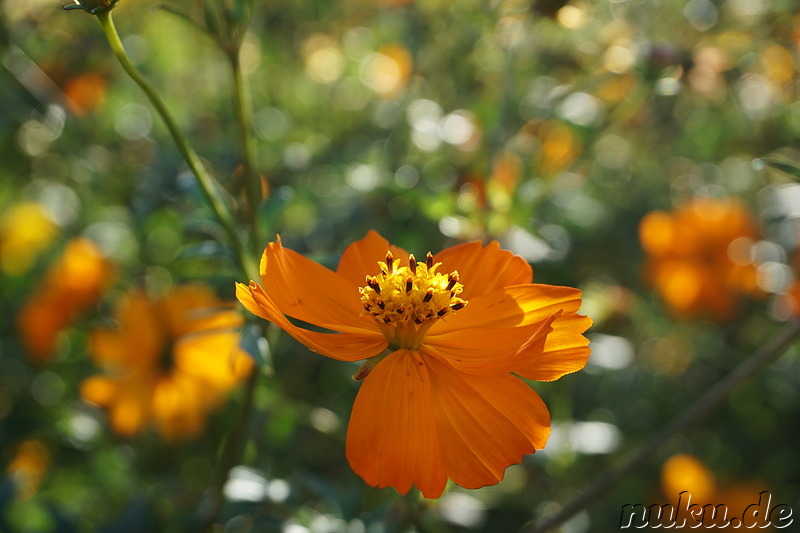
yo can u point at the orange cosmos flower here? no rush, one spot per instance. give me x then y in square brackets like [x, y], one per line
[442, 338]
[72, 285]
[699, 256]
[171, 361]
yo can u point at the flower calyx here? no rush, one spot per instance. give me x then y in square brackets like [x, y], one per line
[93, 7]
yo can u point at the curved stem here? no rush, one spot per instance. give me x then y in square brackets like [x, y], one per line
[770, 351]
[244, 121]
[207, 183]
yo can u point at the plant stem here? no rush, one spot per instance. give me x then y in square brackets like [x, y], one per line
[768, 352]
[244, 120]
[207, 183]
[231, 454]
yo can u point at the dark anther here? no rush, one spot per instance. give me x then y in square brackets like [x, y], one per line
[456, 306]
[428, 296]
[409, 284]
[367, 307]
[429, 260]
[400, 310]
[381, 304]
[420, 319]
[453, 279]
[374, 285]
[442, 311]
[386, 320]
[389, 261]
[412, 263]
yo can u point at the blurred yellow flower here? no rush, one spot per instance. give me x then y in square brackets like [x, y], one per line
[698, 256]
[29, 462]
[25, 230]
[74, 282]
[171, 361]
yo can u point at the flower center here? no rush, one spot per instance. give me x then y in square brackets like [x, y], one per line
[410, 298]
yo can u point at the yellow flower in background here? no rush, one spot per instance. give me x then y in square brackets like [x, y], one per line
[445, 400]
[171, 361]
[74, 282]
[699, 256]
[25, 231]
[27, 467]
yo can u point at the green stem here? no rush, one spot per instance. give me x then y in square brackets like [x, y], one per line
[207, 183]
[244, 121]
[231, 454]
[770, 351]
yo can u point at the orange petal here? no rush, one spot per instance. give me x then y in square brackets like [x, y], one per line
[483, 269]
[392, 439]
[361, 257]
[517, 305]
[108, 348]
[308, 291]
[131, 410]
[195, 307]
[143, 329]
[212, 358]
[485, 423]
[180, 406]
[341, 346]
[566, 350]
[417, 421]
[491, 350]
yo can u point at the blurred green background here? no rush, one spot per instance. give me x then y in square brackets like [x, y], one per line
[551, 126]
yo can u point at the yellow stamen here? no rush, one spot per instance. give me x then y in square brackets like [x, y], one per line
[406, 301]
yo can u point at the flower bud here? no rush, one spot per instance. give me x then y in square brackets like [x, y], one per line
[93, 7]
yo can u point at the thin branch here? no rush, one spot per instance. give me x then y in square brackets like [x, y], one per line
[244, 121]
[770, 351]
[206, 181]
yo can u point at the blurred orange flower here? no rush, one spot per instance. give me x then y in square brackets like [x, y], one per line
[28, 465]
[86, 92]
[698, 256]
[73, 283]
[171, 361]
[686, 473]
[439, 400]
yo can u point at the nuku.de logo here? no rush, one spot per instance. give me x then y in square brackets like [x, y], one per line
[687, 514]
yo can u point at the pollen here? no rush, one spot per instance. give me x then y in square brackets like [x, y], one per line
[413, 295]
